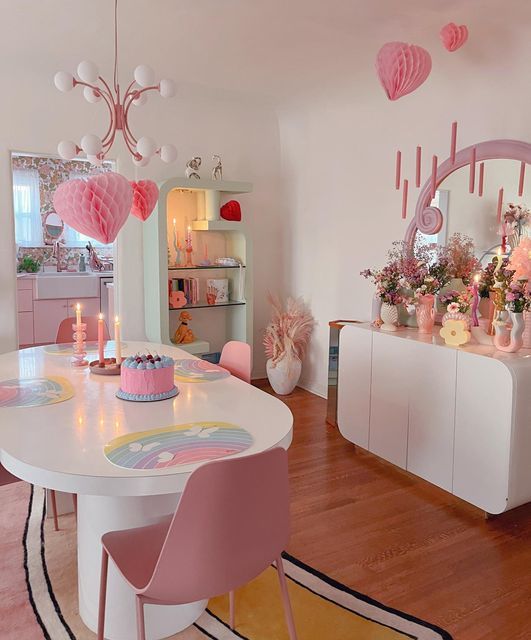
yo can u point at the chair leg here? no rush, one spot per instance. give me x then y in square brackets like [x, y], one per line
[231, 610]
[140, 622]
[54, 509]
[103, 593]
[285, 599]
[74, 499]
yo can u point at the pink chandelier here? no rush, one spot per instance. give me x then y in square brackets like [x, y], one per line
[96, 89]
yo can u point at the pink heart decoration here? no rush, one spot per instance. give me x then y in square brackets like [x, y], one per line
[402, 68]
[97, 207]
[453, 36]
[145, 196]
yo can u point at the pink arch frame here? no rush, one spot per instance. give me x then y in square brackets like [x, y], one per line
[429, 219]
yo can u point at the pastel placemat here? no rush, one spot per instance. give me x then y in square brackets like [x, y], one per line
[91, 347]
[34, 392]
[180, 444]
[190, 370]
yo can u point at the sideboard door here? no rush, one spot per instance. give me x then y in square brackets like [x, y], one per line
[354, 385]
[391, 361]
[432, 377]
[483, 427]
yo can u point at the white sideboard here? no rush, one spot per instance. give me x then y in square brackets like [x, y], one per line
[457, 417]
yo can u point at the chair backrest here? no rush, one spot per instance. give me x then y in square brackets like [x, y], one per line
[65, 333]
[232, 521]
[6, 477]
[236, 358]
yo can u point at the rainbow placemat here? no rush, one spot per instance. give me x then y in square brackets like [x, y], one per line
[188, 370]
[34, 392]
[181, 444]
[91, 347]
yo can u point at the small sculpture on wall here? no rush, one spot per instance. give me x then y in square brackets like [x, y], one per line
[192, 168]
[217, 171]
[184, 335]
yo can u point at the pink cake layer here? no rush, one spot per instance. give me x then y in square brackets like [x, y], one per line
[146, 381]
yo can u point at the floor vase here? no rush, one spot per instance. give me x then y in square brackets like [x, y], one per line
[284, 374]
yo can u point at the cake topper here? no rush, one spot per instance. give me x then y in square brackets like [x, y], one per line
[192, 167]
[217, 171]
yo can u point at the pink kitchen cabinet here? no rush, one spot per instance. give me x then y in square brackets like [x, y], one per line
[89, 306]
[48, 315]
[25, 329]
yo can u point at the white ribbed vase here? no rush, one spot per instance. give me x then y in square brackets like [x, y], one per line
[389, 316]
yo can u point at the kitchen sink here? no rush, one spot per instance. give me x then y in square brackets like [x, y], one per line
[49, 286]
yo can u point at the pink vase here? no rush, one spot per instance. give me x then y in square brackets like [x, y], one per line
[426, 313]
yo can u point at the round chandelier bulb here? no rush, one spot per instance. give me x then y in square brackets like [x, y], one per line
[64, 81]
[144, 76]
[91, 144]
[90, 95]
[88, 71]
[168, 153]
[142, 99]
[95, 160]
[140, 163]
[167, 88]
[67, 149]
[146, 147]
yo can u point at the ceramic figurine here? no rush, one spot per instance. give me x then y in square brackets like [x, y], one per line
[217, 171]
[192, 167]
[184, 335]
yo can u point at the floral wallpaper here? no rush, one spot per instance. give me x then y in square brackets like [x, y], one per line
[52, 172]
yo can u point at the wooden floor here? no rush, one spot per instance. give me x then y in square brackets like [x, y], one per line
[402, 541]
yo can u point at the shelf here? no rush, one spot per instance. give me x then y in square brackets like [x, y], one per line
[200, 267]
[205, 184]
[205, 305]
[196, 347]
[217, 225]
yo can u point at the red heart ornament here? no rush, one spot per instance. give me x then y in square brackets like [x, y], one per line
[402, 68]
[145, 196]
[453, 36]
[96, 207]
[231, 211]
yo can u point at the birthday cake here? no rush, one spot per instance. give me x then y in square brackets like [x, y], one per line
[147, 378]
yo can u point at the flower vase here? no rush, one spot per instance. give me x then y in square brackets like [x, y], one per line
[455, 284]
[509, 339]
[526, 336]
[426, 313]
[389, 316]
[284, 374]
[456, 315]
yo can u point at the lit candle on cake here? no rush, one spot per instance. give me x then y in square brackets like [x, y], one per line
[117, 340]
[475, 301]
[101, 355]
[78, 314]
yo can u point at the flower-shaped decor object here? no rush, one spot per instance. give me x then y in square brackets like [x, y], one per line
[455, 333]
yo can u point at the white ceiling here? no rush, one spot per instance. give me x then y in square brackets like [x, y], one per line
[275, 49]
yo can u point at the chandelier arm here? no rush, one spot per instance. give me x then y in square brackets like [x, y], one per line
[128, 91]
[112, 123]
[129, 136]
[128, 144]
[126, 122]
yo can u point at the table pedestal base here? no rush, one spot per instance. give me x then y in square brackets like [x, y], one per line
[96, 516]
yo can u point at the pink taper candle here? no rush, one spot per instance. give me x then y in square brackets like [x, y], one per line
[398, 169]
[117, 340]
[521, 181]
[101, 355]
[475, 301]
[418, 167]
[481, 178]
[472, 178]
[404, 199]
[78, 314]
[453, 143]
[433, 176]
[500, 203]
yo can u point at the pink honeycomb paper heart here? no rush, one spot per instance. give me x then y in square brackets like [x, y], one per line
[402, 68]
[97, 207]
[145, 196]
[453, 36]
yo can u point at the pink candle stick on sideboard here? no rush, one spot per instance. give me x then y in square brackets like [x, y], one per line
[101, 354]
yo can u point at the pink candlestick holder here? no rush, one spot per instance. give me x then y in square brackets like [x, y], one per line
[79, 346]
[189, 251]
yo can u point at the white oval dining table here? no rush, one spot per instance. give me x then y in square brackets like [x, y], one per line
[60, 446]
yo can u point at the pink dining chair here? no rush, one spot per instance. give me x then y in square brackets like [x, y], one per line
[9, 478]
[236, 358]
[65, 331]
[232, 521]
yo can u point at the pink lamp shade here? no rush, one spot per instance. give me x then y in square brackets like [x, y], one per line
[145, 196]
[402, 68]
[453, 36]
[97, 207]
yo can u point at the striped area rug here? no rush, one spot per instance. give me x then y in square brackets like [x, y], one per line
[323, 609]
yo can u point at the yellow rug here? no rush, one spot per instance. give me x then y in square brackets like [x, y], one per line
[323, 609]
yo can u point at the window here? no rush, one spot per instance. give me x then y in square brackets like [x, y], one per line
[27, 206]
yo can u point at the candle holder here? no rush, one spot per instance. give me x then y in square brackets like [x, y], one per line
[79, 347]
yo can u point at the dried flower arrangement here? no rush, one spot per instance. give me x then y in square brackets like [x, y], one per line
[462, 262]
[289, 331]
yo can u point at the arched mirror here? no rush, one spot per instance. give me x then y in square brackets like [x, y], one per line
[53, 228]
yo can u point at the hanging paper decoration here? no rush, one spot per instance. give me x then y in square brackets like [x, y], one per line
[402, 68]
[145, 196]
[97, 207]
[231, 211]
[453, 36]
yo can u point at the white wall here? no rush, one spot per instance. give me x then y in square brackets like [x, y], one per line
[338, 166]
